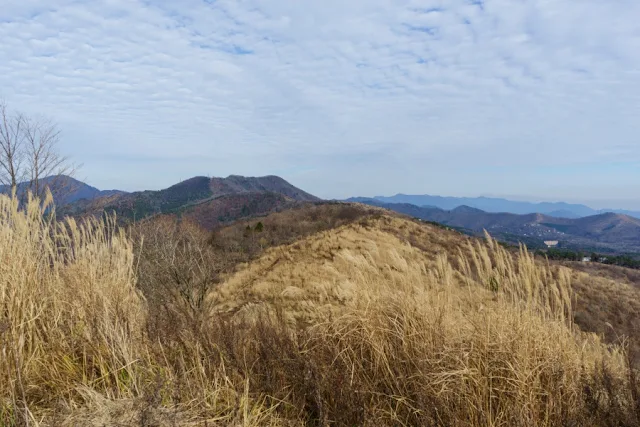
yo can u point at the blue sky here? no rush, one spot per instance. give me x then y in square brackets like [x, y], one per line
[531, 98]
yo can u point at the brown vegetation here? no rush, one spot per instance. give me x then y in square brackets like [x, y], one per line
[227, 209]
[619, 274]
[350, 325]
[180, 255]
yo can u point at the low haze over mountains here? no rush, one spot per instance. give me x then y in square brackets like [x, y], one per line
[487, 204]
[603, 232]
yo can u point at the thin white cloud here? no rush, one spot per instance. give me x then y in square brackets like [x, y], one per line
[341, 97]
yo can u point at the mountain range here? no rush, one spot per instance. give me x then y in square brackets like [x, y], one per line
[208, 201]
[497, 205]
[212, 202]
[606, 232]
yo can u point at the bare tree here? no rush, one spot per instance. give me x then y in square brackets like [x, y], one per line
[11, 148]
[41, 137]
[28, 155]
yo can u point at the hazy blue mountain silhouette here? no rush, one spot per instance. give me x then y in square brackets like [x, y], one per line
[498, 205]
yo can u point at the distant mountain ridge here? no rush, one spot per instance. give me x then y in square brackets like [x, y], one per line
[65, 189]
[208, 201]
[606, 232]
[498, 205]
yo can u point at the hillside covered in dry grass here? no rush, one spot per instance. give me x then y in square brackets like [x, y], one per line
[321, 315]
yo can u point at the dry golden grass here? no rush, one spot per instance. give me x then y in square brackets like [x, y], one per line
[71, 316]
[610, 308]
[73, 324]
[365, 324]
[491, 312]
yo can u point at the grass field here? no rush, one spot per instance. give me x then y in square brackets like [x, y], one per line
[369, 319]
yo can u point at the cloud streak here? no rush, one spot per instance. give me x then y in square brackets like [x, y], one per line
[360, 97]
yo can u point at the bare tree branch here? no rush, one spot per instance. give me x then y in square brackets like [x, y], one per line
[11, 148]
[43, 160]
[29, 158]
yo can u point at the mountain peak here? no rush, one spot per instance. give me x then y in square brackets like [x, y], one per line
[190, 182]
[237, 184]
[209, 200]
[65, 189]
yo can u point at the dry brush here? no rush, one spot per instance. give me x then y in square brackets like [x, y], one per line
[350, 326]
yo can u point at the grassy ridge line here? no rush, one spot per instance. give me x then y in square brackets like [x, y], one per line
[351, 326]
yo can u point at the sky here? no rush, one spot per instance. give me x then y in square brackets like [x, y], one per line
[531, 99]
